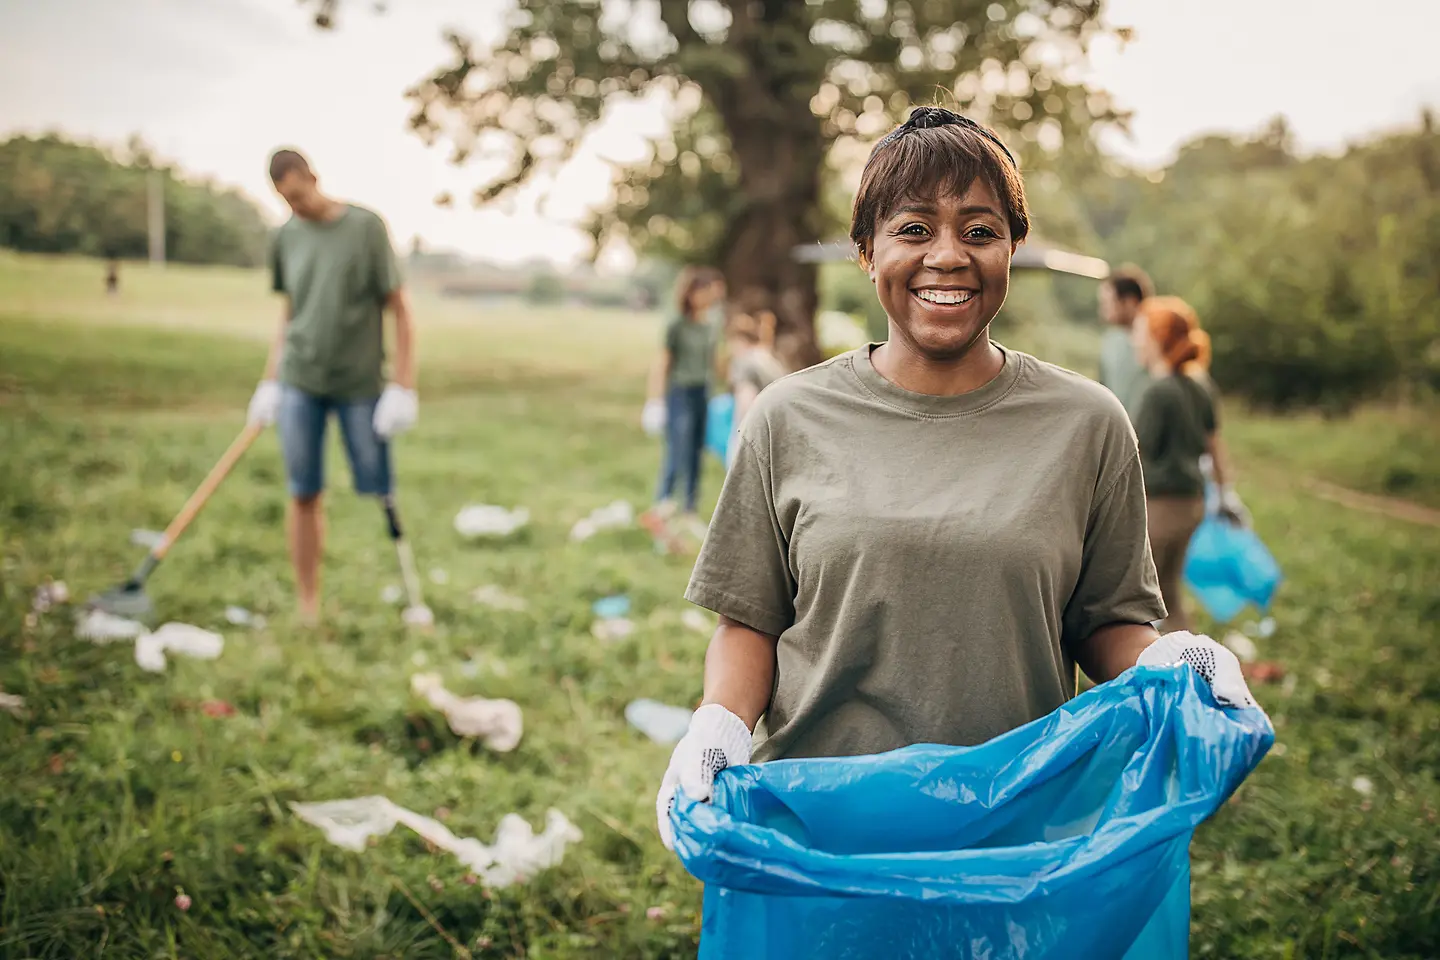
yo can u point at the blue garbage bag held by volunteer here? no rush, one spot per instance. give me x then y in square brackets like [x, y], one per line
[1227, 566]
[1065, 839]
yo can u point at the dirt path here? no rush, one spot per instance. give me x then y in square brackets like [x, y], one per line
[1388, 506]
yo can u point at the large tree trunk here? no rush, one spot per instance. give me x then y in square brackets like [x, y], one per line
[779, 149]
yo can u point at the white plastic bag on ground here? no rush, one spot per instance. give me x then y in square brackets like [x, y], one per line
[517, 855]
[49, 595]
[611, 629]
[498, 723]
[658, 721]
[12, 703]
[241, 617]
[485, 520]
[492, 596]
[612, 517]
[182, 638]
[100, 627]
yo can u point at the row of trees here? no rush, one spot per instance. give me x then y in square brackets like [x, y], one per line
[57, 196]
[1318, 277]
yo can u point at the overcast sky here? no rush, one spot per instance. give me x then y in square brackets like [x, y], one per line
[215, 84]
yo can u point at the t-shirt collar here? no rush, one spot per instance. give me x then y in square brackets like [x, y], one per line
[932, 406]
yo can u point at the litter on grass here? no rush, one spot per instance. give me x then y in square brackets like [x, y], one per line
[485, 520]
[439, 576]
[49, 595]
[611, 608]
[497, 723]
[615, 516]
[517, 854]
[418, 616]
[391, 593]
[100, 627]
[493, 597]
[1242, 646]
[12, 703]
[658, 721]
[240, 617]
[697, 621]
[609, 630]
[178, 638]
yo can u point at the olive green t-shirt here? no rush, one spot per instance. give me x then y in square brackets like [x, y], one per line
[692, 351]
[337, 274]
[928, 563]
[1120, 370]
[1174, 419]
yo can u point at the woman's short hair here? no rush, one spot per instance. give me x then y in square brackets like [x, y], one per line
[1130, 283]
[935, 152]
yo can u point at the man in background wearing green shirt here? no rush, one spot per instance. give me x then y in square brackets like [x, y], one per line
[1120, 296]
[334, 265]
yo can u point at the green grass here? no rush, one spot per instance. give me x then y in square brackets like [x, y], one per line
[119, 792]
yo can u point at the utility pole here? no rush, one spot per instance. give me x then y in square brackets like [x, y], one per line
[156, 217]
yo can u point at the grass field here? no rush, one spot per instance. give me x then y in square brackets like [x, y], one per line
[119, 793]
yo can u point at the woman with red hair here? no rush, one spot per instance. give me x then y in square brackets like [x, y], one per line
[1175, 423]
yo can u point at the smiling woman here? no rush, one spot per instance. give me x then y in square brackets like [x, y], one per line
[920, 540]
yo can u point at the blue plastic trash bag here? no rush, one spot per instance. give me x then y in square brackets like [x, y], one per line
[1066, 839]
[718, 422]
[1227, 567]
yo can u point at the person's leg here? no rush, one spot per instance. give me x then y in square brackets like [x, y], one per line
[696, 408]
[674, 421]
[301, 423]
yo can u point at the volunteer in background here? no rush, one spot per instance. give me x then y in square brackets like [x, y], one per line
[333, 264]
[679, 389]
[919, 540]
[1175, 424]
[1120, 296]
[753, 366]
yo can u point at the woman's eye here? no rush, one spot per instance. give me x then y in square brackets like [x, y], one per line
[913, 230]
[980, 233]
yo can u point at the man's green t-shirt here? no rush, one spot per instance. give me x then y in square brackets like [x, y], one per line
[929, 564]
[1120, 370]
[1174, 420]
[337, 274]
[692, 351]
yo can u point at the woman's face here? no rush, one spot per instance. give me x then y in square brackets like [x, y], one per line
[942, 269]
[1146, 350]
[706, 297]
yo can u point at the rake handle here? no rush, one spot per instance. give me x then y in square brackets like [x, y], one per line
[207, 487]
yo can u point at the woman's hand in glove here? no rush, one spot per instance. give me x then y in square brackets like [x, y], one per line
[716, 739]
[1214, 662]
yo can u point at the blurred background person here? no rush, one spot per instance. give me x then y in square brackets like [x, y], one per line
[1176, 421]
[1120, 295]
[753, 366]
[334, 265]
[679, 390]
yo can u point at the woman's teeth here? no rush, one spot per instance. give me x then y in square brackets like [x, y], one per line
[945, 296]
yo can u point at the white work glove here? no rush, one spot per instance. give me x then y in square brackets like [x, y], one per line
[1232, 508]
[264, 404]
[396, 412]
[716, 739]
[1214, 662]
[652, 418]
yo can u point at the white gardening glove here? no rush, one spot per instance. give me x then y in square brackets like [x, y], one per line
[652, 418]
[1232, 508]
[396, 412]
[716, 739]
[264, 404]
[1214, 662]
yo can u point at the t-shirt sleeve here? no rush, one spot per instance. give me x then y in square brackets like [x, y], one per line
[743, 571]
[384, 267]
[1117, 582]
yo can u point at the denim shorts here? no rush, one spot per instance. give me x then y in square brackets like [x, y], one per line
[302, 422]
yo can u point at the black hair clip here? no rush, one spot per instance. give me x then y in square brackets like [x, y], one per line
[926, 118]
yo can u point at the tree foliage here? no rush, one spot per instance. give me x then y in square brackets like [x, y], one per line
[761, 93]
[57, 196]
